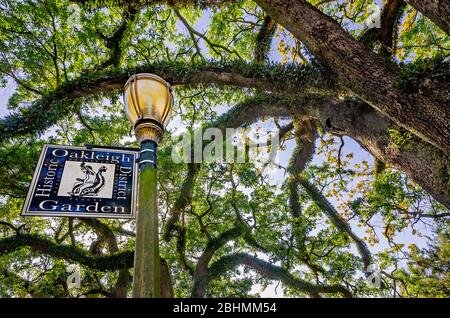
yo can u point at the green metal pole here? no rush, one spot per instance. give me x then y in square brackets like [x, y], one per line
[146, 258]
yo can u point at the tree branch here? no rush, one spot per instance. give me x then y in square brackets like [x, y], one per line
[114, 43]
[44, 246]
[271, 272]
[390, 18]
[45, 111]
[117, 261]
[201, 270]
[337, 220]
[306, 136]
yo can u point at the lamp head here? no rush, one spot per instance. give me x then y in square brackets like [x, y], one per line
[148, 103]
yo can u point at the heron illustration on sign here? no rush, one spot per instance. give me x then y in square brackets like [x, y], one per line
[84, 186]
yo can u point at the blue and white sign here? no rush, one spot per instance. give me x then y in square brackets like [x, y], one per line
[83, 182]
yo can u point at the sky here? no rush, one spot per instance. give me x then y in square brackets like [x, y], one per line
[276, 175]
[5, 93]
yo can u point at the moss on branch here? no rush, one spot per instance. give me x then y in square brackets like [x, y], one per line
[271, 272]
[41, 245]
[282, 79]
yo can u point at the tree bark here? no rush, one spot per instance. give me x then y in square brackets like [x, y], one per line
[166, 288]
[362, 71]
[437, 11]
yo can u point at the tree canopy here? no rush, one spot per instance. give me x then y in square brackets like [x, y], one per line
[358, 90]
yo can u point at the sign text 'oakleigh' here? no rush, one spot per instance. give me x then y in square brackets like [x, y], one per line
[83, 182]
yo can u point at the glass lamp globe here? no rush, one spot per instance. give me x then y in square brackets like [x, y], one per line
[148, 103]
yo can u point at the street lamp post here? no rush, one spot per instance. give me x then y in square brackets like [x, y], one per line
[148, 103]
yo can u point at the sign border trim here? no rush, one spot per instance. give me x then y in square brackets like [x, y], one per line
[25, 209]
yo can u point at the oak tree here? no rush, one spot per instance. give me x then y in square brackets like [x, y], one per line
[359, 95]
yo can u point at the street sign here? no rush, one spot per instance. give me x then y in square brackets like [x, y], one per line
[83, 182]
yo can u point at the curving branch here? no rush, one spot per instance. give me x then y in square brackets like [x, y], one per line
[271, 272]
[201, 270]
[41, 245]
[286, 80]
[193, 33]
[425, 164]
[306, 135]
[337, 220]
[112, 262]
